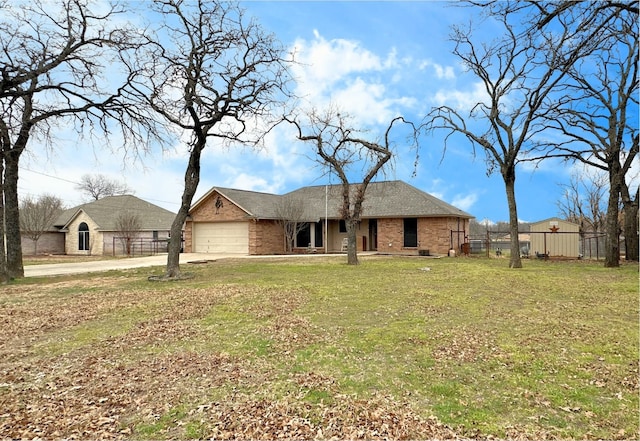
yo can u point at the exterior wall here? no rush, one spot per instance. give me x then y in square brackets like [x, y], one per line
[265, 237]
[95, 236]
[390, 235]
[188, 237]
[563, 243]
[335, 236]
[208, 212]
[434, 234]
[439, 235]
[49, 243]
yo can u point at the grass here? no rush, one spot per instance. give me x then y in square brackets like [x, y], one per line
[313, 348]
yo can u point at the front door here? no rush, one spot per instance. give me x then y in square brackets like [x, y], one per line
[373, 235]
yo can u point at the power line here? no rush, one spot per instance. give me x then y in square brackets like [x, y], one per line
[48, 176]
[78, 183]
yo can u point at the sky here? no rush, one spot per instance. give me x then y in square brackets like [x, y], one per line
[375, 60]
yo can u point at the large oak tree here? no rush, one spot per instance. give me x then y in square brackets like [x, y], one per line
[213, 75]
[519, 76]
[596, 112]
[59, 67]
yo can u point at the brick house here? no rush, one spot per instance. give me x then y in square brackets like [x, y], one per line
[92, 228]
[397, 218]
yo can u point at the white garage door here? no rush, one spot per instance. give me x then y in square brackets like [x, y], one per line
[222, 237]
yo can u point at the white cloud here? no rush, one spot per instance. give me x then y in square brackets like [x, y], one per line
[343, 73]
[462, 100]
[441, 72]
[322, 63]
[364, 101]
[245, 181]
[465, 202]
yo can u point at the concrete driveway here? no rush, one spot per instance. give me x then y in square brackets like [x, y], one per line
[58, 269]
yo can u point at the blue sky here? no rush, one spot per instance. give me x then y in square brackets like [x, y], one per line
[375, 60]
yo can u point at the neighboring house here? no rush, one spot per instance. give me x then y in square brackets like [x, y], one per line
[92, 228]
[555, 237]
[397, 218]
[51, 242]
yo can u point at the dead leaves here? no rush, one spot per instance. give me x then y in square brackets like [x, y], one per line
[100, 398]
[163, 374]
[348, 418]
[464, 346]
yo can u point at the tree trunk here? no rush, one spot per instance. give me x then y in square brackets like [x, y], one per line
[630, 207]
[4, 274]
[352, 247]
[191, 180]
[510, 184]
[15, 268]
[612, 226]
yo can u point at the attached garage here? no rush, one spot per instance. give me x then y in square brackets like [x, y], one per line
[221, 237]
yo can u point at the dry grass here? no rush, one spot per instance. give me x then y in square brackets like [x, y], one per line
[318, 349]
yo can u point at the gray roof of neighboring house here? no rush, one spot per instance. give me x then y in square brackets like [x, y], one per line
[105, 213]
[382, 199]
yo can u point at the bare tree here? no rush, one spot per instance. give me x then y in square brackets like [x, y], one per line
[213, 75]
[290, 216]
[37, 216]
[583, 201]
[339, 146]
[128, 225]
[594, 113]
[99, 186]
[597, 118]
[53, 71]
[630, 220]
[519, 77]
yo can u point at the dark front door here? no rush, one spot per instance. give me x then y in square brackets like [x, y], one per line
[373, 235]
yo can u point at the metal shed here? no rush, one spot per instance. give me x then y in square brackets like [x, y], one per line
[555, 238]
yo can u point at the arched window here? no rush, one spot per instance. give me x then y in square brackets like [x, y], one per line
[83, 237]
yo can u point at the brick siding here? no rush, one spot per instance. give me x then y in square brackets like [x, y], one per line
[434, 234]
[49, 243]
[265, 236]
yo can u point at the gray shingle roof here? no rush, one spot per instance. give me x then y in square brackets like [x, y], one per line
[105, 213]
[256, 204]
[382, 199]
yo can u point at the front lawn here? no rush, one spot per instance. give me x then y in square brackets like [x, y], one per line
[397, 347]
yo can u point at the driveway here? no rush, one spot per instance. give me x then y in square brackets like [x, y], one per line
[58, 269]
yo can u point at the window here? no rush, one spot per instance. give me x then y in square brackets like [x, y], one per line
[319, 232]
[155, 235]
[410, 233]
[83, 237]
[303, 238]
[343, 226]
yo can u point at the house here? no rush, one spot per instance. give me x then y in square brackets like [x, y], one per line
[96, 228]
[397, 218]
[555, 238]
[50, 242]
